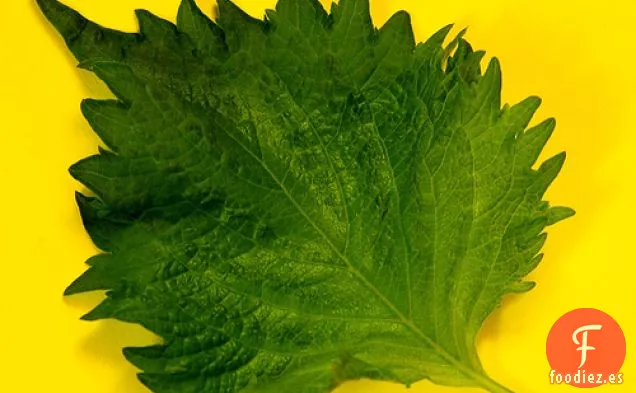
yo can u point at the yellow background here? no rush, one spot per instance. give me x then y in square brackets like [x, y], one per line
[577, 55]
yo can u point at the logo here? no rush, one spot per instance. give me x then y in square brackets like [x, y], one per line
[586, 348]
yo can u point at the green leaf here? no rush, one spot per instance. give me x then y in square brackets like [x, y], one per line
[295, 202]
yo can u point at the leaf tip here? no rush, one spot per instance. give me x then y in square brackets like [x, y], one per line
[560, 158]
[549, 170]
[494, 66]
[49, 7]
[129, 354]
[82, 199]
[402, 15]
[188, 6]
[89, 317]
[102, 311]
[141, 13]
[559, 213]
[145, 380]
[550, 123]
[71, 289]
[534, 101]
[78, 286]
[74, 170]
[521, 286]
[68, 22]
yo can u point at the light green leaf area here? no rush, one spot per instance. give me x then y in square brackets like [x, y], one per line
[305, 200]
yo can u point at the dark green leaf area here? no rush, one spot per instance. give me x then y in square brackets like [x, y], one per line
[299, 201]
